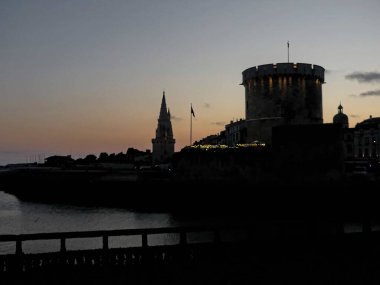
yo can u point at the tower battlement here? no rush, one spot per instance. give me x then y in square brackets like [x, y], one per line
[288, 68]
[282, 93]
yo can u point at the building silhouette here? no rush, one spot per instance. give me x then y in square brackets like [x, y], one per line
[163, 143]
[281, 94]
[367, 139]
[341, 118]
[236, 132]
[362, 148]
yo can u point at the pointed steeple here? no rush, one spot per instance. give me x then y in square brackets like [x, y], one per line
[163, 143]
[163, 110]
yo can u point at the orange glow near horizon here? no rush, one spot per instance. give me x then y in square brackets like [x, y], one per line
[82, 77]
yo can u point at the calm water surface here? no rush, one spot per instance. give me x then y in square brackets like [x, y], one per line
[24, 217]
[20, 217]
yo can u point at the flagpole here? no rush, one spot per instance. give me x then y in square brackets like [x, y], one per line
[288, 51]
[191, 125]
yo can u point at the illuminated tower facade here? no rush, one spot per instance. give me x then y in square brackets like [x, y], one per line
[281, 94]
[163, 143]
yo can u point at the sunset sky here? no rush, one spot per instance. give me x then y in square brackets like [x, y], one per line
[86, 76]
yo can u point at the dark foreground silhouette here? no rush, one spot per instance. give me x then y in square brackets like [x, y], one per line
[295, 234]
[290, 253]
[328, 199]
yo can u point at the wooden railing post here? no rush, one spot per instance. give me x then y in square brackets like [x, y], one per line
[182, 237]
[63, 245]
[144, 240]
[105, 242]
[18, 247]
[19, 258]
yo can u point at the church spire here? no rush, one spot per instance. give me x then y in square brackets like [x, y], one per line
[163, 143]
[163, 110]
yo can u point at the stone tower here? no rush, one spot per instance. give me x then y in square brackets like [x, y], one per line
[281, 94]
[163, 143]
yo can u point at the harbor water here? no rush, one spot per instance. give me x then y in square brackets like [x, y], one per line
[26, 217]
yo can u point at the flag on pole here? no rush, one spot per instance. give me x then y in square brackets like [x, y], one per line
[192, 111]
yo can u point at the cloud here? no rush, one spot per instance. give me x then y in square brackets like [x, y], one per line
[219, 123]
[354, 116]
[207, 105]
[364, 77]
[371, 93]
[175, 118]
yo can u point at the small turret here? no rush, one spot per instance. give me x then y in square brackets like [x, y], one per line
[341, 118]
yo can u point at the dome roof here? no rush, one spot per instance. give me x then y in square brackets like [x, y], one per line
[341, 118]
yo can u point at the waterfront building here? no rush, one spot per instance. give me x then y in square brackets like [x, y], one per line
[367, 139]
[236, 132]
[163, 143]
[209, 140]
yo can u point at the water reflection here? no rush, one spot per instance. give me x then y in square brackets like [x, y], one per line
[22, 217]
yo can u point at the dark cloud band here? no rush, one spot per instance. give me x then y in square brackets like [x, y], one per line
[175, 118]
[218, 123]
[364, 77]
[371, 93]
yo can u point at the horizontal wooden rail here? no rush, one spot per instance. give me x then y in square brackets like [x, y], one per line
[124, 232]
[144, 233]
[129, 257]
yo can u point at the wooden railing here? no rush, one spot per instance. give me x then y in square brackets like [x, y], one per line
[106, 256]
[105, 235]
[143, 233]
[134, 264]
